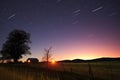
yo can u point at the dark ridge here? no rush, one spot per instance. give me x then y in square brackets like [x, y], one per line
[93, 60]
[106, 59]
[65, 61]
[77, 60]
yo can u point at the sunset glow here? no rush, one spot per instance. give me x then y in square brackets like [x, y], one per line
[53, 61]
[76, 29]
[28, 61]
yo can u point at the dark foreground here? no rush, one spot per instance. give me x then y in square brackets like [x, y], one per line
[61, 71]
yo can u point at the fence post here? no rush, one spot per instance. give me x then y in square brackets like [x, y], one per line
[71, 70]
[90, 72]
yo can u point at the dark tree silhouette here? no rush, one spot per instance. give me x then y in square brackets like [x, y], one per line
[16, 45]
[5, 56]
[47, 55]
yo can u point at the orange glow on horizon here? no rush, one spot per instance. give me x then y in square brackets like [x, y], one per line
[86, 52]
[28, 61]
[53, 61]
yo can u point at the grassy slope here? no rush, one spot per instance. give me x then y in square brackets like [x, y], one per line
[64, 71]
[27, 72]
[101, 70]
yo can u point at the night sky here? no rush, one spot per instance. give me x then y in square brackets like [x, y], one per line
[84, 29]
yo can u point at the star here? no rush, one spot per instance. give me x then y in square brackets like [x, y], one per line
[11, 16]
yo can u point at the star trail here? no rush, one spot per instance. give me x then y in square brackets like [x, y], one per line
[84, 29]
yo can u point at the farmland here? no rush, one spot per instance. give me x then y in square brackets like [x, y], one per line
[98, 70]
[61, 71]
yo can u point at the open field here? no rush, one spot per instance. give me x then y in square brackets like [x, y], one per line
[96, 70]
[61, 71]
[34, 72]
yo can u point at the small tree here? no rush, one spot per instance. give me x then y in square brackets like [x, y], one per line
[47, 55]
[16, 45]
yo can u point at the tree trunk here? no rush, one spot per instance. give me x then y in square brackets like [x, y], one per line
[15, 60]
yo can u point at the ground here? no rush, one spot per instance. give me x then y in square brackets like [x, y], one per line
[61, 71]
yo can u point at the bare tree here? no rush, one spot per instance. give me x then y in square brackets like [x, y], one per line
[47, 55]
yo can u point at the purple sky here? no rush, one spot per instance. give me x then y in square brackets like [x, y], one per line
[83, 29]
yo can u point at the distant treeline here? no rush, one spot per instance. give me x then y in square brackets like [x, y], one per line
[93, 60]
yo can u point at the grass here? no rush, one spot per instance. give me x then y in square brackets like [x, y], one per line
[28, 72]
[100, 70]
[24, 72]
[61, 71]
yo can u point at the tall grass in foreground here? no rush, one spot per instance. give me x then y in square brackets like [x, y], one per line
[61, 71]
[25, 73]
[96, 70]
